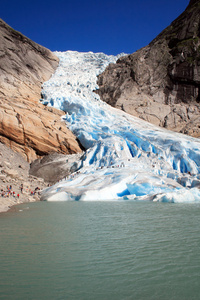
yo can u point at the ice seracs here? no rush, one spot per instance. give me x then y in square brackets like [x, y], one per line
[126, 157]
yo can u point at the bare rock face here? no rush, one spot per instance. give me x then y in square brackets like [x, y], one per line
[55, 166]
[160, 83]
[27, 126]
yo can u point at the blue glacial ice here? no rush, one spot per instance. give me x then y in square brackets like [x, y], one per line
[126, 158]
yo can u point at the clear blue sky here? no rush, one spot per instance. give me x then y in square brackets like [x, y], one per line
[109, 26]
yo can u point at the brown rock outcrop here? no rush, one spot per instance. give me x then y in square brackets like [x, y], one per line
[26, 125]
[161, 82]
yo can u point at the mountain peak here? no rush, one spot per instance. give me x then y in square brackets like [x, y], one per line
[193, 2]
[160, 82]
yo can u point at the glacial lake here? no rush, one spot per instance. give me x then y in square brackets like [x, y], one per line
[100, 251]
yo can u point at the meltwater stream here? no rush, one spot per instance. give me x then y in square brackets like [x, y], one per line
[126, 157]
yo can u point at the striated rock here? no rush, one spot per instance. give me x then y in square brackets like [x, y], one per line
[35, 131]
[24, 65]
[26, 125]
[55, 167]
[160, 83]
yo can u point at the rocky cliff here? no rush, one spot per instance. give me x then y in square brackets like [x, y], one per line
[27, 126]
[161, 82]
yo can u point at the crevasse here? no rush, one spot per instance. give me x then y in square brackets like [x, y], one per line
[126, 158]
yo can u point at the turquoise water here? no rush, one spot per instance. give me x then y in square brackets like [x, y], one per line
[100, 250]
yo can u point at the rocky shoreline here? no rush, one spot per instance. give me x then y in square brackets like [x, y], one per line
[21, 182]
[16, 185]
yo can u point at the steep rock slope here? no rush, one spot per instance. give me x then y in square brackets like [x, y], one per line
[26, 125]
[161, 82]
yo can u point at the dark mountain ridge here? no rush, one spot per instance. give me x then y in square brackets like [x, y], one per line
[161, 82]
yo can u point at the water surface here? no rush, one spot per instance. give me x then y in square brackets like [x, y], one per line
[98, 250]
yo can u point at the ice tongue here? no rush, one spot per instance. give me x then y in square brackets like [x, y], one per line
[126, 158]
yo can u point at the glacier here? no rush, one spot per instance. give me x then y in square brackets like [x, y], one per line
[126, 158]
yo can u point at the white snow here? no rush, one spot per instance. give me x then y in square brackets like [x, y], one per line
[126, 157]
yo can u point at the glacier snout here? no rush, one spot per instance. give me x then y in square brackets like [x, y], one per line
[126, 158]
